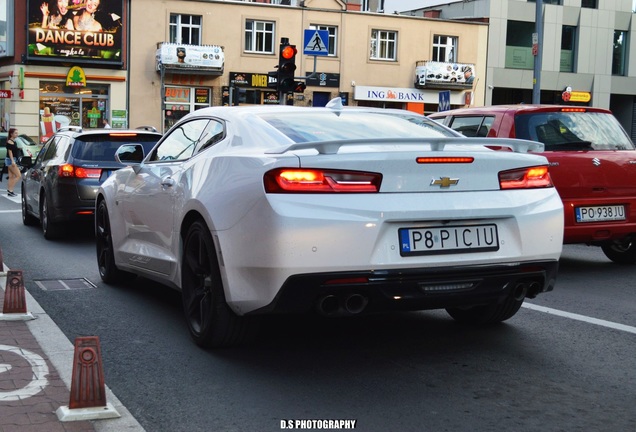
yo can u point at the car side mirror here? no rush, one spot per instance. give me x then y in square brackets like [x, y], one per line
[25, 161]
[130, 154]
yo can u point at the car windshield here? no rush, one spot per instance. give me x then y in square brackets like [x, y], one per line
[573, 131]
[103, 147]
[344, 125]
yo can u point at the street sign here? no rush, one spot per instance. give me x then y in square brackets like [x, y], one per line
[444, 101]
[5, 94]
[316, 42]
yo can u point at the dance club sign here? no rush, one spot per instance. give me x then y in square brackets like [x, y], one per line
[77, 30]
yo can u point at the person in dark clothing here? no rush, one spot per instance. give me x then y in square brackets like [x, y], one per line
[10, 161]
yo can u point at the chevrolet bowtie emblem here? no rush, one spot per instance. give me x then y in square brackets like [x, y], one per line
[444, 182]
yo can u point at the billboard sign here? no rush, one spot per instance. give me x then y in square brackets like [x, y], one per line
[77, 31]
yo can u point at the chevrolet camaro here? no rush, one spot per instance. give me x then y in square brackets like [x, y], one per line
[336, 210]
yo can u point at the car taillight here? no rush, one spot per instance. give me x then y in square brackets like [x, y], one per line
[525, 178]
[68, 170]
[297, 180]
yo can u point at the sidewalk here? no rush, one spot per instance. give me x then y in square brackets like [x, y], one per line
[35, 376]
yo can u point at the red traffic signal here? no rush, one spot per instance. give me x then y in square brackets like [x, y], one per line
[288, 52]
[286, 66]
[299, 87]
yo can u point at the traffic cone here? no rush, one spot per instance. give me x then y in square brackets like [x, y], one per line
[88, 392]
[14, 307]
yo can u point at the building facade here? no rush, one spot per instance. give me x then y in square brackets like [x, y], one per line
[587, 57]
[58, 71]
[148, 63]
[371, 59]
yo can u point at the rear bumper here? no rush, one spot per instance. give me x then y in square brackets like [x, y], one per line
[598, 232]
[344, 293]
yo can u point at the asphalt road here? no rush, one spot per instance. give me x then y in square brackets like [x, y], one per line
[565, 362]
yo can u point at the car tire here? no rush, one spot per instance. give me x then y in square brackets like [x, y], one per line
[108, 271]
[211, 322]
[27, 218]
[487, 314]
[50, 229]
[621, 252]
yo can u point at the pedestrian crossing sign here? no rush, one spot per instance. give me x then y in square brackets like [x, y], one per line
[316, 42]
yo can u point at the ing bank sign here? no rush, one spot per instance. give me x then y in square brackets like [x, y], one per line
[391, 94]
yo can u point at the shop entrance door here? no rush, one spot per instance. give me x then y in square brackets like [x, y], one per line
[66, 106]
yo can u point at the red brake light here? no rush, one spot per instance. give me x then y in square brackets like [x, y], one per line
[297, 180]
[525, 178]
[439, 160]
[573, 110]
[68, 170]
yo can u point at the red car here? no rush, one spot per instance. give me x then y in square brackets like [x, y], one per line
[592, 164]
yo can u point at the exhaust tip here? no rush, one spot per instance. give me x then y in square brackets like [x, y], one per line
[328, 305]
[355, 303]
[520, 291]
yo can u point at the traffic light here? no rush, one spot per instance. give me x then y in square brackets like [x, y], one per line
[286, 67]
[299, 87]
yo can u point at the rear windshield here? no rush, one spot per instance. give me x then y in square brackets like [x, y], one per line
[103, 147]
[573, 131]
[344, 125]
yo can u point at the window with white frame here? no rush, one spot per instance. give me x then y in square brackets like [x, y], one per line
[333, 32]
[185, 29]
[444, 48]
[383, 45]
[259, 36]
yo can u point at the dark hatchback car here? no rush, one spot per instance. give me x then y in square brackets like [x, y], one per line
[60, 184]
[592, 164]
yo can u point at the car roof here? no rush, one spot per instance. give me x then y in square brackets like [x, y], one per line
[76, 131]
[517, 109]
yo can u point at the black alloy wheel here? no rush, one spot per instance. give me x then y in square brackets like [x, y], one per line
[27, 218]
[211, 322]
[50, 229]
[108, 271]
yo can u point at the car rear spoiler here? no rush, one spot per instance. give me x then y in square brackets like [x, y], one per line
[437, 144]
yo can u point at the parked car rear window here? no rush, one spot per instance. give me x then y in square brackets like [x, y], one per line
[103, 147]
[324, 126]
[573, 131]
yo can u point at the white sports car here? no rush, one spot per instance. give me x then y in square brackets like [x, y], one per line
[342, 211]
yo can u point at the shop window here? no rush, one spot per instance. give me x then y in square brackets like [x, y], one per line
[444, 48]
[568, 37]
[185, 29]
[333, 31]
[180, 101]
[259, 37]
[619, 56]
[519, 45]
[383, 45]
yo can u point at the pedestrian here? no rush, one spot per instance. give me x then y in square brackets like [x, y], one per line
[105, 123]
[11, 163]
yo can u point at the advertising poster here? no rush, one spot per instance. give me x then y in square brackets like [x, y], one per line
[77, 30]
[441, 74]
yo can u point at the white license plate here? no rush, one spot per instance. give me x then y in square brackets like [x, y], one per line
[599, 213]
[448, 239]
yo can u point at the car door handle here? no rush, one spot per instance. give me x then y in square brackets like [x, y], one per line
[167, 182]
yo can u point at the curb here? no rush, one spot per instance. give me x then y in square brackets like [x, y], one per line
[60, 351]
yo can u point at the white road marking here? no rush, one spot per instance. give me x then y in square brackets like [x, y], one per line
[38, 380]
[10, 211]
[596, 321]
